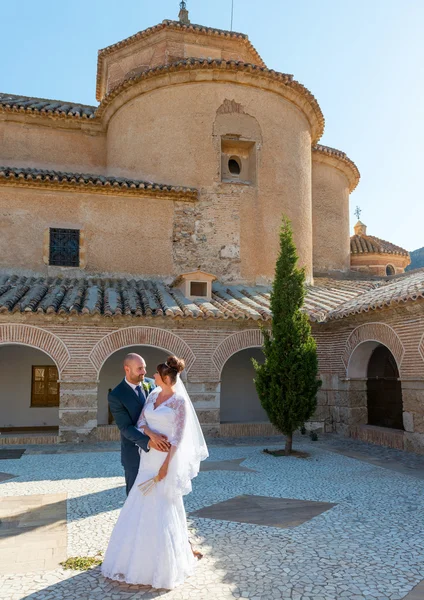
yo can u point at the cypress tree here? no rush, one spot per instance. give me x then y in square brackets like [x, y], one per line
[287, 383]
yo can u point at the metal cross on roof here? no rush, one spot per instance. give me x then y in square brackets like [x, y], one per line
[357, 212]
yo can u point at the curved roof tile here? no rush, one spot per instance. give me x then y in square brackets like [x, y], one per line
[139, 297]
[44, 106]
[172, 25]
[369, 244]
[407, 287]
[90, 182]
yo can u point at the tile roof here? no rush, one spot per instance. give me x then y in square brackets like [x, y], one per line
[343, 161]
[296, 91]
[91, 183]
[59, 109]
[43, 106]
[407, 287]
[369, 244]
[173, 25]
[132, 297]
[327, 294]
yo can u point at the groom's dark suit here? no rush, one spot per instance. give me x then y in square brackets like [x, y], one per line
[126, 406]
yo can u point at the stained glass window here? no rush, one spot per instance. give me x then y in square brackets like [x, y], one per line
[45, 386]
[64, 247]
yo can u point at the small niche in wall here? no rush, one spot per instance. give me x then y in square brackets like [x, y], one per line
[238, 160]
[199, 289]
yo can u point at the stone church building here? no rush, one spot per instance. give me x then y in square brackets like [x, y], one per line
[150, 222]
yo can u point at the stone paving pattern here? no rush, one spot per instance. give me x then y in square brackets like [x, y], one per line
[33, 533]
[370, 546]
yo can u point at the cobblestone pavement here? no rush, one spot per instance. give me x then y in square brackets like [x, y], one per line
[369, 546]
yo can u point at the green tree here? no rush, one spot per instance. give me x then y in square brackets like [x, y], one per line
[287, 383]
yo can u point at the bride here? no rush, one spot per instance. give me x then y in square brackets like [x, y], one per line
[149, 544]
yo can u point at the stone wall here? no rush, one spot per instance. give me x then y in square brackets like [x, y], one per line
[330, 216]
[69, 146]
[342, 400]
[182, 126]
[121, 234]
[413, 416]
[376, 264]
[167, 46]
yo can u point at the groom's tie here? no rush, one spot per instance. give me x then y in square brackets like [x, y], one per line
[139, 393]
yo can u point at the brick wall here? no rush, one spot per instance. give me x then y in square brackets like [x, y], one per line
[80, 345]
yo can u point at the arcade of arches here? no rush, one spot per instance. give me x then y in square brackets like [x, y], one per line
[48, 383]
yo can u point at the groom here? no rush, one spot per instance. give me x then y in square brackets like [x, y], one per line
[126, 402]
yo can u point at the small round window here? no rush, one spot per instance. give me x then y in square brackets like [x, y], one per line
[234, 165]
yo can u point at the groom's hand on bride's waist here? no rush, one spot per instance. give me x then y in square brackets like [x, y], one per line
[158, 442]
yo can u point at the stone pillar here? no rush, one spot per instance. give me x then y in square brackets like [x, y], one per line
[322, 419]
[342, 404]
[206, 401]
[357, 402]
[78, 411]
[413, 414]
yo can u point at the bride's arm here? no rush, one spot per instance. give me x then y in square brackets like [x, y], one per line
[179, 407]
[157, 440]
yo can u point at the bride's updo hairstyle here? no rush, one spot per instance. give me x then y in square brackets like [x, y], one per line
[171, 368]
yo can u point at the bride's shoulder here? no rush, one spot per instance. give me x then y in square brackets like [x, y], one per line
[178, 399]
[154, 393]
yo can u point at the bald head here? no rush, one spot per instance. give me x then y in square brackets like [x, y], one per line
[135, 368]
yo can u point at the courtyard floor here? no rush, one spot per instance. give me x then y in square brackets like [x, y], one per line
[345, 523]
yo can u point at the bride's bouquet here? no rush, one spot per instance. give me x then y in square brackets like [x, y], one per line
[147, 486]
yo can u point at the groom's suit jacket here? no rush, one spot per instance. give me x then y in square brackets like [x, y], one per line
[126, 407]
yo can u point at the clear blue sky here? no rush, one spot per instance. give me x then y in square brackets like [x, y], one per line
[362, 59]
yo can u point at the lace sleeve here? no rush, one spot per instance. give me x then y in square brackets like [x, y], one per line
[141, 419]
[178, 405]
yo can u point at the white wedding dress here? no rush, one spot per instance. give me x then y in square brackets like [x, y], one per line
[149, 544]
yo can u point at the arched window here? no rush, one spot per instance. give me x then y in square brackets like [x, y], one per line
[390, 270]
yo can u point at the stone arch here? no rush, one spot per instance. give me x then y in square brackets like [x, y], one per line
[421, 347]
[370, 335]
[140, 336]
[28, 335]
[251, 338]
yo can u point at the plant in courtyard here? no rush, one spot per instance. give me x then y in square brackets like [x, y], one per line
[287, 383]
[82, 563]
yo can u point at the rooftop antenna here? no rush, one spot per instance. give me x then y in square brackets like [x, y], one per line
[357, 213]
[232, 14]
[183, 16]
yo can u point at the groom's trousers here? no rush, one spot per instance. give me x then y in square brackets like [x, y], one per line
[130, 476]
